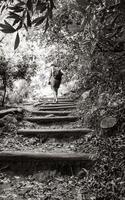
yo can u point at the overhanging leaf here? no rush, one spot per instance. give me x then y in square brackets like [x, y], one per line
[29, 5]
[28, 19]
[3, 25]
[25, 27]
[20, 26]
[15, 21]
[7, 28]
[9, 25]
[7, 31]
[2, 8]
[13, 15]
[17, 41]
[16, 8]
[38, 20]
[42, 7]
[47, 24]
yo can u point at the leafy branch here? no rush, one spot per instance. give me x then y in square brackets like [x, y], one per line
[21, 13]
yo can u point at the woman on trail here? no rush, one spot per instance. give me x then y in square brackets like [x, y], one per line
[55, 80]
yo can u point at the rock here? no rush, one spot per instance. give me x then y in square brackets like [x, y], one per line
[85, 95]
[108, 122]
[108, 125]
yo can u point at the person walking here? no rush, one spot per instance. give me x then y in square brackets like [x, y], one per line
[55, 80]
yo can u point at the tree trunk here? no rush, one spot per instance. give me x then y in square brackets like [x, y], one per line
[4, 83]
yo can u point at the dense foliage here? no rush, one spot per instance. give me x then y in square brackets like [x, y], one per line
[9, 73]
[89, 38]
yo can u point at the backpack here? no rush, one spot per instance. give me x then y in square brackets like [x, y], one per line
[56, 73]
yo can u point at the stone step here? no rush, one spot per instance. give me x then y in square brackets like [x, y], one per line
[22, 155]
[56, 113]
[59, 100]
[9, 111]
[28, 103]
[54, 132]
[51, 119]
[54, 104]
[57, 108]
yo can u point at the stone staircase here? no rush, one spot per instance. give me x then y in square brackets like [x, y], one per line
[47, 113]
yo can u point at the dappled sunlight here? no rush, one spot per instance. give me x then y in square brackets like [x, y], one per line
[71, 147]
[39, 86]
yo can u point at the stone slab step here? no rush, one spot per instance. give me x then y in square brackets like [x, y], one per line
[54, 104]
[59, 100]
[28, 103]
[69, 157]
[54, 132]
[51, 119]
[9, 111]
[56, 113]
[57, 108]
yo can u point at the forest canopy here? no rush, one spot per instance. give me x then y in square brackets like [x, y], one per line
[91, 33]
[55, 15]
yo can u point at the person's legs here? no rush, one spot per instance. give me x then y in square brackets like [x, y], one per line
[55, 86]
[56, 95]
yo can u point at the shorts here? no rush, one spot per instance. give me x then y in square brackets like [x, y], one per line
[55, 83]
